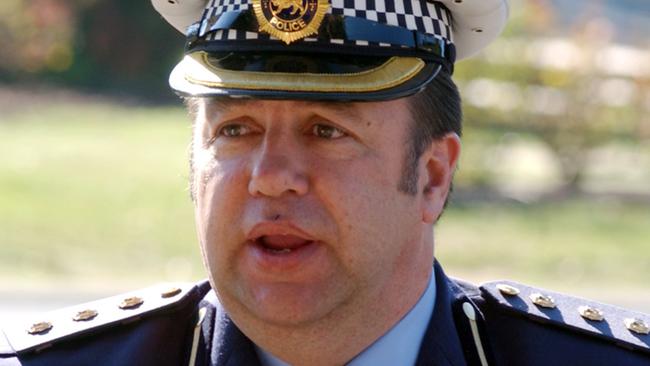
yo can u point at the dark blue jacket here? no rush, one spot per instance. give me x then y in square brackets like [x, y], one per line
[498, 323]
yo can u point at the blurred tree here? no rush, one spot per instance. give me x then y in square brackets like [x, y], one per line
[37, 35]
[118, 45]
[568, 92]
[124, 45]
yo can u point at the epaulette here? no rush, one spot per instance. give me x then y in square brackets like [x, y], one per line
[41, 331]
[612, 324]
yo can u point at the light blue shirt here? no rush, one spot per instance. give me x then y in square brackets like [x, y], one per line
[399, 346]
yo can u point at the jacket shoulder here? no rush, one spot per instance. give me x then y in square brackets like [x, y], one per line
[116, 316]
[561, 324]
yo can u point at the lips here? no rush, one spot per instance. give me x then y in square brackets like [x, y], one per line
[281, 247]
[279, 237]
[280, 244]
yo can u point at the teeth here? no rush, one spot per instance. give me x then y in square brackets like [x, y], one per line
[280, 251]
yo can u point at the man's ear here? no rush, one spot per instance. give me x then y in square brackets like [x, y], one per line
[438, 165]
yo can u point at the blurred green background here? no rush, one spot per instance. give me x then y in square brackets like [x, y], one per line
[553, 188]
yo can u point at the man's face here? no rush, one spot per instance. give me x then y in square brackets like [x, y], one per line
[298, 209]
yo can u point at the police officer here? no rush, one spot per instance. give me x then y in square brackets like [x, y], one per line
[326, 136]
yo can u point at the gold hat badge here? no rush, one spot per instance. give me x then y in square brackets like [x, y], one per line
[290, 20]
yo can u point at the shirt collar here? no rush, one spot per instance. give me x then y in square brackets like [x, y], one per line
[399, 346]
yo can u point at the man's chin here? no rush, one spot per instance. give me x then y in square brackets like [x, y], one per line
[287, 305]
[290, 304]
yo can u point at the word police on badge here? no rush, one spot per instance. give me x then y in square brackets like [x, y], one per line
[290, 20]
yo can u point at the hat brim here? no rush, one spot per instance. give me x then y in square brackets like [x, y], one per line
[395, 77]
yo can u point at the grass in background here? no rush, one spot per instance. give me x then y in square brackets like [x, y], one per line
[91, 192]
[97, 193]
[571, 243]
[591, 249]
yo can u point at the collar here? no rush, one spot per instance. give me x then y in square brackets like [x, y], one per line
[441, 344]
[399, 346]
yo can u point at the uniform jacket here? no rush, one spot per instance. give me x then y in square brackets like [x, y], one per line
[495, 324]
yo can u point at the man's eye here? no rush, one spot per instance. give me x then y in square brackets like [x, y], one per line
[327, 132]
[234, 130]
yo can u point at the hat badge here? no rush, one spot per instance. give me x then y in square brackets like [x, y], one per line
[290, 20]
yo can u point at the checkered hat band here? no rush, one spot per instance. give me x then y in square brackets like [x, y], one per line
[422, 16]
[239, 35]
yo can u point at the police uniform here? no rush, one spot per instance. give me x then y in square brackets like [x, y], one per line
[498, 323]
[358, 50]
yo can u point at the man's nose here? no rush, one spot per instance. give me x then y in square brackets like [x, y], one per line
[276, 171]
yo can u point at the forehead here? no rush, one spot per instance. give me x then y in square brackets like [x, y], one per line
[355, 110]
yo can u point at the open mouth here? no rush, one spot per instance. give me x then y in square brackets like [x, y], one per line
[281, 244]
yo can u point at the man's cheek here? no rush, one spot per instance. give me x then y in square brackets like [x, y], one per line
[213, 179]
[221, 202]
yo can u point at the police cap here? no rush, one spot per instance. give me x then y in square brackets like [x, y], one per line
[325, 49]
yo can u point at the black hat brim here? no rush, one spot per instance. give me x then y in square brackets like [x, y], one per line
[394, 77]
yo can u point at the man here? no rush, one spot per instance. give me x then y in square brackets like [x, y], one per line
[326, 136]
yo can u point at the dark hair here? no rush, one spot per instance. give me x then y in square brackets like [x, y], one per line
[436, 111]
